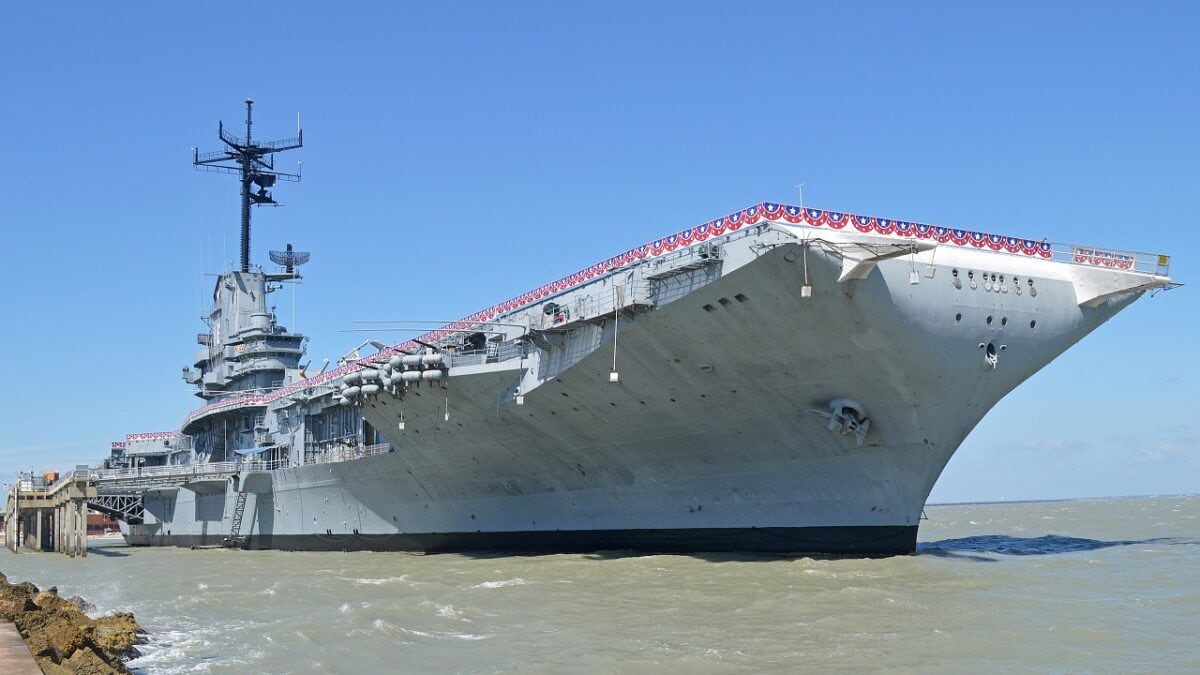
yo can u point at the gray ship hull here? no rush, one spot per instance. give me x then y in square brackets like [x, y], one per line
[715, 438]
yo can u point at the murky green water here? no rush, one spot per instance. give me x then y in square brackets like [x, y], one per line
[1102, 585]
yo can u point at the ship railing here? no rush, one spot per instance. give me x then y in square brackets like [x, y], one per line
[168, 471]
[493, 353]
[349, 453]
[264, 346]
[376, 449]
[1128, 261]
[261, 465]
[1076, 254]
[68, 476]
[592, 302]
[209, 156]
[187, 470]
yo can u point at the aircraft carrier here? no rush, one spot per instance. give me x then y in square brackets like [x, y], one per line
[781, 379]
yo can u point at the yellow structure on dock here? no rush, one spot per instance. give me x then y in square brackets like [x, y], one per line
[54, 514]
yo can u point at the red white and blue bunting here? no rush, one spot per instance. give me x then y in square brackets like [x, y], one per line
[1099, 258]
[153, 436]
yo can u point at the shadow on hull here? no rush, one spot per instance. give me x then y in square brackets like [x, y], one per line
[719, 543]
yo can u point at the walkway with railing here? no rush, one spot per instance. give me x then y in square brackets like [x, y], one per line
[346, 454]
[144, 477]
[179, 474]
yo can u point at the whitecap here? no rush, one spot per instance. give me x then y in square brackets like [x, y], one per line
[501, 584]
[366, 581]
[442, 636]
[449, 612]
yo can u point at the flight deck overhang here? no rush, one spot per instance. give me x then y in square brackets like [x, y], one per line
[859, 253]
[1096, 285]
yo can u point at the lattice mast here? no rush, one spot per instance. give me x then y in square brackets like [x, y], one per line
[255, 163]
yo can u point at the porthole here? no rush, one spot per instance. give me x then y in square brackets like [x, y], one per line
[989, 320]
[1033, 323]
[958, 317]
[1004, 321]
[954, 272]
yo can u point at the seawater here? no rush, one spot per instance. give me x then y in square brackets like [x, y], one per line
[1101, 585]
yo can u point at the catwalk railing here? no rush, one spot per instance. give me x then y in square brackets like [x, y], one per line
[178, 474]
[346, 454]
[183, 473]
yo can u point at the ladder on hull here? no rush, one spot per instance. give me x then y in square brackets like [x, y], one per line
[234, 540]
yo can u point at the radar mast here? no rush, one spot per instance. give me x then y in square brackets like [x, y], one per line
[255, 163]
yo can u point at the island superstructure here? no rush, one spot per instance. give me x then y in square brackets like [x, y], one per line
[779, 379]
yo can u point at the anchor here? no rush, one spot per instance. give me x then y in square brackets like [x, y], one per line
[846, 417]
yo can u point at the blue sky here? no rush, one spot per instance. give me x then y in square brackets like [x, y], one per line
[458, 155]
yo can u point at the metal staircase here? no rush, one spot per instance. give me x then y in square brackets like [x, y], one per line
[234, 540]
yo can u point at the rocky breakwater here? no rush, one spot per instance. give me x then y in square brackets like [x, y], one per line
[62, 637]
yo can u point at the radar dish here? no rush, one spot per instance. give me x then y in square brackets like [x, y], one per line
[289, 259]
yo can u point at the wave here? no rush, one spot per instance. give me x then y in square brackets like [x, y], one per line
[501, 584]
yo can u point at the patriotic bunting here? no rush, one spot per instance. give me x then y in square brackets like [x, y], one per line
[155, 436]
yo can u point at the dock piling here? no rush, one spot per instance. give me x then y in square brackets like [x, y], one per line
[65, 505]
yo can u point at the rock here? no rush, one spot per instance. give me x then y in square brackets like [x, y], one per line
[117, 634]
[82, 604]
[88, 662]
[12, 607]
[62, 637]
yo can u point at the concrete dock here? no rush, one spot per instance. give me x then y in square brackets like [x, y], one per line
[50, 517]
[15, 658]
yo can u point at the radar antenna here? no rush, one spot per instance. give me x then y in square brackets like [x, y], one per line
[255, 162]
[289, 259]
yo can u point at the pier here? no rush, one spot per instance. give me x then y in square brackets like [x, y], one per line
[50, 516]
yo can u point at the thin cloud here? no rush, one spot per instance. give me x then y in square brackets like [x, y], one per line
[41, 447]
[1183, 441]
